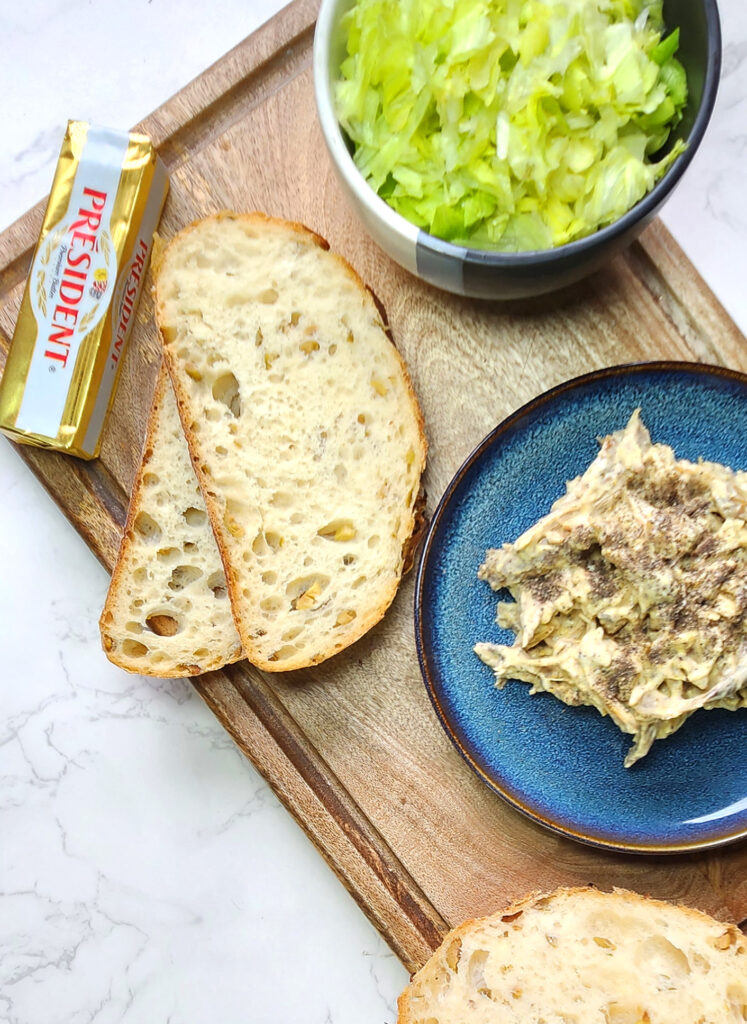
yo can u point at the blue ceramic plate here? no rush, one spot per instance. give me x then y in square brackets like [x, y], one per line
[563, 766]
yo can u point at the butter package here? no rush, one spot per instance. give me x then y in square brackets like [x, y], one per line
[82, 291]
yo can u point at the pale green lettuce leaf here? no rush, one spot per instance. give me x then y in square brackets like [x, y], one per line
[510, 124]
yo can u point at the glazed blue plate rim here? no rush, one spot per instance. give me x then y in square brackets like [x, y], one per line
[576, 831]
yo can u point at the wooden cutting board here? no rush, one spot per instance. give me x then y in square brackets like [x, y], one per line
[353, 748]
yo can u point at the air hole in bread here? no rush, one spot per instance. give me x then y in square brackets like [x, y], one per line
[183, 575]
[624, 1013]
[338, 530]
[291, 634]
[226, 390]
[332, 349]
[699, 961]
[307, 347]
[345, 616]
[453, 953]
[258, 337]
[189, 545]
[282, 499]
[213, 415]
[359, 452]
[737, 996]
[194, 516]
[305, 591]
[192, 372]
[146, 527]
[358, 582]
[134, 627]
[476, 969]
[133, 649]
[268, 296]
[149, 479]
[349, 559]
[307, 561]
[660, 955]
[235, 299]
[269, 578]
[200, 653]
[235, 507]
[163, 624]
[259, 547]
[217, 583]
[373, 540]
[271, 605]
[168, 554]
[340, 472]
[283, 653]
[232, 524]
[361, 417]
[297, 517]
[220, 450]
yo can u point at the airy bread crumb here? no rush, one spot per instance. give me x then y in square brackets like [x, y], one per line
[580, 956]
[303, 427]
[167, 611]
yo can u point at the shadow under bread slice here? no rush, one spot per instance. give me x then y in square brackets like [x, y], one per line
[305, 433]
[167, 612]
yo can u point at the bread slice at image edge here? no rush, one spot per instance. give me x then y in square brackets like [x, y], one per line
[583, 956]
[303, 427]
[167, 611]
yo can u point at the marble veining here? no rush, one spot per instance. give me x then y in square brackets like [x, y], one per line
[147, 873]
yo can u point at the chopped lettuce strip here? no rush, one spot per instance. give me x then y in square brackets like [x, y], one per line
[510, 124]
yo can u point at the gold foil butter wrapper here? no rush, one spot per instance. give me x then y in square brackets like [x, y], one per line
[83, 289]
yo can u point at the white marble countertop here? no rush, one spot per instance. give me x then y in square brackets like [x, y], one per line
[147, 873]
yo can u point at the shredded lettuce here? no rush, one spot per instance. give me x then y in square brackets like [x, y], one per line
[511, 124]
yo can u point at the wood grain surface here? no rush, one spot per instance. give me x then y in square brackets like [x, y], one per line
[352, 747]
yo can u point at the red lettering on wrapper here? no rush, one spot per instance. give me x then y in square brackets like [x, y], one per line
[128, 297]
[83, 235]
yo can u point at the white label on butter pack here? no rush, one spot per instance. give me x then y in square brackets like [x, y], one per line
[71, 280]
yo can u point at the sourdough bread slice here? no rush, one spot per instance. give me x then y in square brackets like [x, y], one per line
[580, 956]
[304, 430]
[167, 612]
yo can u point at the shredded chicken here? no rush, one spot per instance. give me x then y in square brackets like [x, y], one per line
[631, 594]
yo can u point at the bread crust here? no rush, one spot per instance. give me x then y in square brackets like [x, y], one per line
[415, 525]
[437, 966]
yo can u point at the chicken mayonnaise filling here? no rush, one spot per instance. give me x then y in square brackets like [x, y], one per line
[631, 594]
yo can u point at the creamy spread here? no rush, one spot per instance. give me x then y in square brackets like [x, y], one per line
[631, 594]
